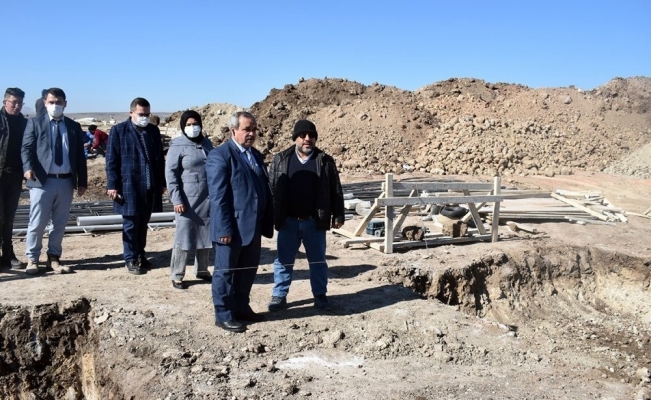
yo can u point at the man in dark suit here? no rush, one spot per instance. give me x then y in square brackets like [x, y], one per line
[12, 127]
[240, 212]
[53, 165]
[135, 169]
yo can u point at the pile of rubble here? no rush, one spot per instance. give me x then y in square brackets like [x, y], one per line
[457, 126]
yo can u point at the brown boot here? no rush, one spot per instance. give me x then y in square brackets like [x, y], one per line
[53, 262]
[32, 267]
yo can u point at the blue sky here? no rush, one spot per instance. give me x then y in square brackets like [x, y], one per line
[180, 54]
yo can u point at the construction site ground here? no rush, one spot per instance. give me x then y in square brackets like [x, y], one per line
[562, 314]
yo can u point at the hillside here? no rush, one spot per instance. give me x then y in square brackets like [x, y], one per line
[460, 126]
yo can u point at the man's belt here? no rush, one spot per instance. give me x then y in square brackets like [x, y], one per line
[60, 176]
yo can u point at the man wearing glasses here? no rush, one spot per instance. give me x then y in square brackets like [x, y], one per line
[308, 201]
[12, 126]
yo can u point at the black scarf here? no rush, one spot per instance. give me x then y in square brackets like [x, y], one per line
[185, 117]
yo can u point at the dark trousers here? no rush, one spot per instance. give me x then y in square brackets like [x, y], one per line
[134, 230]
[235, 269]
[11, 184]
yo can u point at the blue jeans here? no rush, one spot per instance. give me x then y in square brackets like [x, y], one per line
[290, 236]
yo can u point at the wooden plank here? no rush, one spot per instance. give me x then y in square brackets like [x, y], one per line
[475, 215]
[403, 213]
[344, 232]
[467, 217]
[371, 213]
[388, 218]
[373, 239]
[647, 211]
[551, 214]
[515, 196]
[521, 227]
[580, 207]
[590, 221]
[399, 201]
[432, 242]
[441, 186]
[638, 214]
[362, 240]
[533, 217]
[496, 209]
[577, 195]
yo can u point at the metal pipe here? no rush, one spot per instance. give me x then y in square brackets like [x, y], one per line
[117, 219]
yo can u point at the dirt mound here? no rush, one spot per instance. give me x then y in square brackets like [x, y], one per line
[458, 126]
[462, 126]
[635, 164]
[214, 117]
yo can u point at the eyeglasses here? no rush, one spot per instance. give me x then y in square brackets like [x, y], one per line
[310, 134]
[15, 103]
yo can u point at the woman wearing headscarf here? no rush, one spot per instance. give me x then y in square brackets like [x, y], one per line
[185, 171]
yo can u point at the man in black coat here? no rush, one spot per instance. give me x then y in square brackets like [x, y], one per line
[12, 126]
[307, 200]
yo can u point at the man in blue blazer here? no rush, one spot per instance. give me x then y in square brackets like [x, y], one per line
[53, 165]
[135, 180]
[240, 212]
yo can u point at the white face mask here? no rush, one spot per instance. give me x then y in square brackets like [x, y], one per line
[142, 121]
[192, 131]
[54, 110]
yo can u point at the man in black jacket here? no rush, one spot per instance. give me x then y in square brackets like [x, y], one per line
[307, 200]
[12, 126]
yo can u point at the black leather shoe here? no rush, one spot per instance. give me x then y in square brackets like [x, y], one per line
[231, 326]
[133, 268]
[250, 316]
[145, 263]
[179, 285]
[207, 278]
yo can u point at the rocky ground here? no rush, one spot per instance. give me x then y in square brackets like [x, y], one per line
[563, 314]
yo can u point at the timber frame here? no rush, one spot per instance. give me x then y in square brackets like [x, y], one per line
[442, 193]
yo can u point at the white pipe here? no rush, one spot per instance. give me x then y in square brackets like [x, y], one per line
[117, 219]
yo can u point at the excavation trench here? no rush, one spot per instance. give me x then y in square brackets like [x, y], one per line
[524, 285]
[580, 298]
[49, 352]
[570, 294]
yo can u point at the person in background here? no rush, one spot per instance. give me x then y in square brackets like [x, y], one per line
[99, 142]
[240, 212]
[54, 165]
[308, 200]
[135, 180]
[39, 106]
[185, 173]
[12, 127]
[88, 141]
[154, 120]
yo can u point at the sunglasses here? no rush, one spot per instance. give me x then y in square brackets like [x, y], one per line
[310, 134]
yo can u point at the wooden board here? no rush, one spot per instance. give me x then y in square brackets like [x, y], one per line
[432, 242]
[580, 207]
[399, 201]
